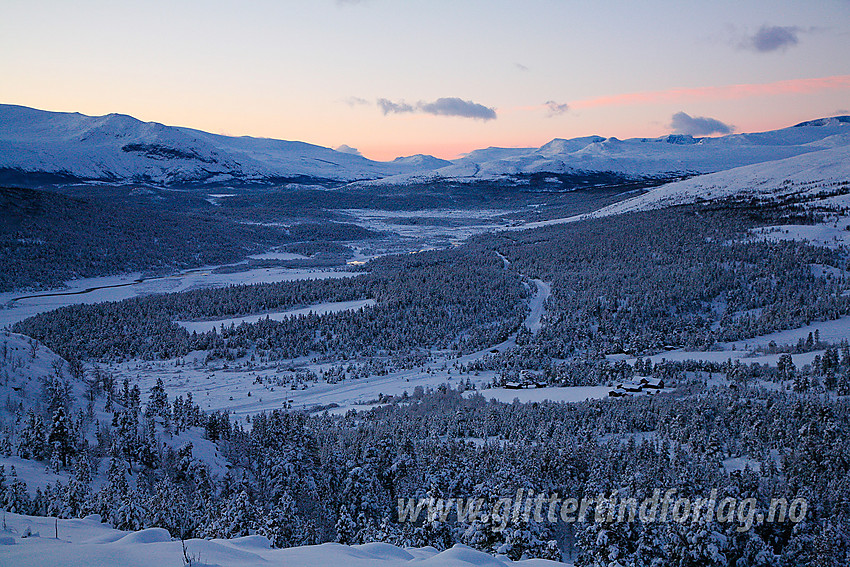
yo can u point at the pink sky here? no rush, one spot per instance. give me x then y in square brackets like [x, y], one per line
[315, 71]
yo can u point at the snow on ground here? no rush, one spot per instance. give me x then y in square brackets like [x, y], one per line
[237, 389]
[807, 173]
[88, 542]
[219, 386]
[317, 309]
[721, 356]
[121, 148]
[740, 463]
[279, 256]
[17, 306]
[538, 305]
[830, 235]
[454, 225]
[803, 175]
[832, 332]
[640, 156]
[35, 473]
[24, 362]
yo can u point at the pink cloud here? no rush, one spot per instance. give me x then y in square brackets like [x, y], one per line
[727, 92]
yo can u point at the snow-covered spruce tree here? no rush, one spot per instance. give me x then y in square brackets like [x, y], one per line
[62, 439]
[346, 527]
[32, 441]
[13, 493]
[168, 508]
[238, 518]
[282, 525]
[158, 401]
[108, 498]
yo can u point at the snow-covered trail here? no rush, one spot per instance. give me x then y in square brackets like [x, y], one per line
[538, 306]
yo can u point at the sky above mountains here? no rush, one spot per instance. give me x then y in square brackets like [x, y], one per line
[390, 78]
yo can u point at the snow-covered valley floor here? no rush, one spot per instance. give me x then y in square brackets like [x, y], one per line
[17, 306]
[244, 387]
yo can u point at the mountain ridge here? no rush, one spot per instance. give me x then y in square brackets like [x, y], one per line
[56, 147]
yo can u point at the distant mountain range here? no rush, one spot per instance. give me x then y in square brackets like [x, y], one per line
[40, 147]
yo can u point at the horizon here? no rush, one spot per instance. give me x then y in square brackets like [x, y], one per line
[458, 156]
[388, 80]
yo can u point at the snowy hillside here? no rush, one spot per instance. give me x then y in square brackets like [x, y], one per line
[805, 175]
[644, 156]
[24, 362]
[88, 542]
[120, 148]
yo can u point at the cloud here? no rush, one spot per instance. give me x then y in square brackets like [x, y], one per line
[389, 107]
[356, 101]
[555, 109]
[447, 106]
[772, 38]
[346, 149]
[453, 106]
[683, 123]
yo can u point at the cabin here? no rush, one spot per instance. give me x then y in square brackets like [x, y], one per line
[642, 385]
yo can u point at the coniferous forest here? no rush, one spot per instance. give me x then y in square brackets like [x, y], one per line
[623, 287]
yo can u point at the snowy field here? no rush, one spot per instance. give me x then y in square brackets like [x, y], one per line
[832, 332]
[245, 389]
[17, 306]
[88, 542]
[830, 235]
[317, 309]
[434, 226]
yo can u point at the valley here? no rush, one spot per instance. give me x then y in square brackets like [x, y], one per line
[282, 361]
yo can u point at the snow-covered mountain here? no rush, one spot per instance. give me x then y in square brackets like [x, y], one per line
[120, 149]
[672, 154]
[809, 176]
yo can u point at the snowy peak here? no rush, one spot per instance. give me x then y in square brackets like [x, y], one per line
[422, 161]
[562, 146]
[666, 155]
[120, 148]
[117, 148]
[831, 121]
